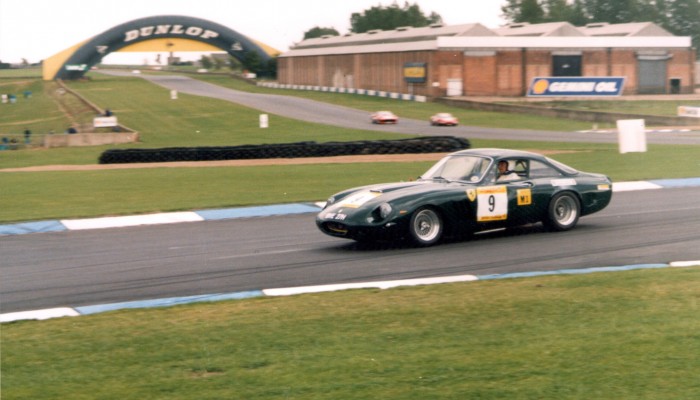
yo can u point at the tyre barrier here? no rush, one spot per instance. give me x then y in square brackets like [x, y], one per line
[436, 144]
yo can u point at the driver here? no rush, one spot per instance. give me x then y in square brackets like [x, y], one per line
[504, 174]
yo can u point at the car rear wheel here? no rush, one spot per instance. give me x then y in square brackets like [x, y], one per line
[564, 211]
[426, 227]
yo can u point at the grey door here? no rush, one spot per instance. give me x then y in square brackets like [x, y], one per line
[652, 76]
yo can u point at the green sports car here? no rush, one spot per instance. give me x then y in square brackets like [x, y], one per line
[467, 192]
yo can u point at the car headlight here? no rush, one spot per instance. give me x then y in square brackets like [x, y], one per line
[384, 210]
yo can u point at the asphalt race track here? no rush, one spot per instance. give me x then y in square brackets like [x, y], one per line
[78, 268]
[324, 113]
[82, 268]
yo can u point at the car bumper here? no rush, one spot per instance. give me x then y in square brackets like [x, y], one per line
[388, 230]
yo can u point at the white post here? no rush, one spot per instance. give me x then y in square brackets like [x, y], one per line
[631, 136]
[264, 121]
[173, 94]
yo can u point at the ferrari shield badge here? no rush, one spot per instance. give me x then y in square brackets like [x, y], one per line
[471, 194]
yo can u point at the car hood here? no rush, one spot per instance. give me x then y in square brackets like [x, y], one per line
[368, 197]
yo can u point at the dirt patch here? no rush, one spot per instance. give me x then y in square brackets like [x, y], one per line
[239, 163]
[246, 163]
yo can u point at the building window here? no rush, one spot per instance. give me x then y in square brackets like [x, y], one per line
[566, 65]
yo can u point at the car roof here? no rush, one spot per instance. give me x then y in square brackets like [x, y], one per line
[499, 153]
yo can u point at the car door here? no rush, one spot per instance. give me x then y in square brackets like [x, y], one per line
[508, 202]
[524, 194]
[543, 179]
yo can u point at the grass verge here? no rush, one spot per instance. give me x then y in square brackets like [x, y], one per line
[627, 335]
[667, 108]
[73, 194]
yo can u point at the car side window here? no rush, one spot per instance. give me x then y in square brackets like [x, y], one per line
[541, 170]
[521, 168]
[510, 172]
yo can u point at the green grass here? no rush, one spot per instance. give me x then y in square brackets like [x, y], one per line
[200, 121]
[37, 113]
[628, 335]
[30, 72]
[73, 194]
[639, 107]
[49, 195]
[161, 122]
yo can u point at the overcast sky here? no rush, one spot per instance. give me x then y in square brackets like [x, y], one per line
[37, 29]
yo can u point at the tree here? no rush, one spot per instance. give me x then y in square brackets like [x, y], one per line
[680, 17]
[391, 17]
[531, 11]
[206, 62]
[563, 10]
[252, 62]
[683, 18]
[317, 32]
[219, 62]
[524, 11]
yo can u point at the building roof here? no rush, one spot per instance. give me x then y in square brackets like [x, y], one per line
[628, 29]
[558, 35]
[546, 29]
[425, 45]
[562, 43]
[404, 34]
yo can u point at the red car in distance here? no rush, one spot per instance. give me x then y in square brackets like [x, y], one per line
[443, 119]
[384, 117]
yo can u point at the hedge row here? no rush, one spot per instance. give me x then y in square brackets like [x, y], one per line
[437, 144]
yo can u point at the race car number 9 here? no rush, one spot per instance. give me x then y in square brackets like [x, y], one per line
[492, 203]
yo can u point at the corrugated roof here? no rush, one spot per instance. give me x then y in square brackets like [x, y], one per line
[552, 34]
[367, 48]
[404, 34]
[546, 29]
[628, 29]
[553, 42]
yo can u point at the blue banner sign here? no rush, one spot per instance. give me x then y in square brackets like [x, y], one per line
[576, 86]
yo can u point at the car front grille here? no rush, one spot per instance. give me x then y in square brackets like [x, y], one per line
[335, 228]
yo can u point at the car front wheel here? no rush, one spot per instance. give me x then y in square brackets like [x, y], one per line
[426, 227]
[564, 211]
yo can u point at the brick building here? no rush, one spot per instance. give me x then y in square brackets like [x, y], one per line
[472, 60]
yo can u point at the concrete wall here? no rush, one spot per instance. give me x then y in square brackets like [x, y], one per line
[89, 139]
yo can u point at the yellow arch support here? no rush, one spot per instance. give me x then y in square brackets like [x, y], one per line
[52, 64]
[271, 51]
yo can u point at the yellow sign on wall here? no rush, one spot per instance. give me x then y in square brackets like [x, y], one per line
[415, 72]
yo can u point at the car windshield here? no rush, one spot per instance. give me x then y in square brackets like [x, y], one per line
[459, 168]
